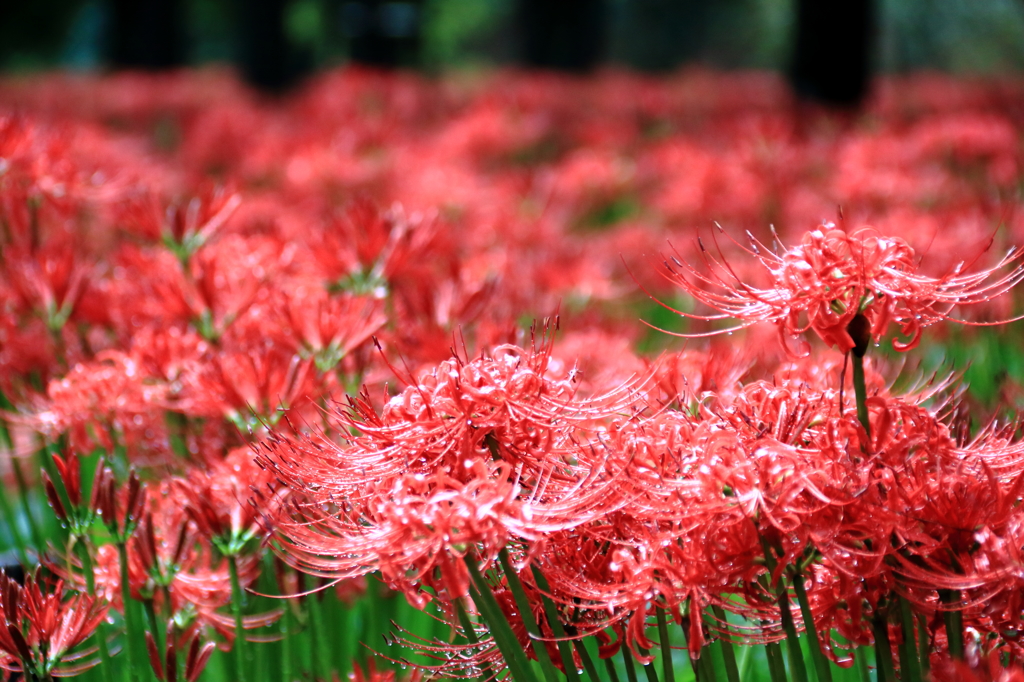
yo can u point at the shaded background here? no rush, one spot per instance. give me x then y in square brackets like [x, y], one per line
[276, 42]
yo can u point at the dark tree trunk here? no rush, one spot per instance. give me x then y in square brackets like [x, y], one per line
[659, 35]
[565, 35]
[832, 55]
[267, 60]
[383, 34]
[146, 34]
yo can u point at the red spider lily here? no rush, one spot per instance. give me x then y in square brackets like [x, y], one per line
[165, 664]
[50, 281]
[70, 476]
[832, 277]
[96, 403]
[42, 627]
[183, 226]
[119, 506]
[217, 500]
[248, 384]
[176, 568]
[365, 249]
[450, 419]
[472, 454]
[328, 328]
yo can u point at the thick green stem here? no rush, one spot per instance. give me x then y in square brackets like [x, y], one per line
[652, 674]
[910, 665]
[85, 552]
[154, 626]
[609, 666]
[797, 667]
[629, 663]
[796, 657]
[555, 623]
[732, 671]
[20, 542]
[236, 611]
[540, 648]
[923, 645]
[501, 630]
[588, 662]
[319, 660]
[860, 662]
[704, 668]
[470, 634]
[954, 620]
[776, 668]
[666, 647]
[883, 650]
[860, 391]
[136, 659]
[821, 666]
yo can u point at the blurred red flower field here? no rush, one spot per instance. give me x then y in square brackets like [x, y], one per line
[401, 339]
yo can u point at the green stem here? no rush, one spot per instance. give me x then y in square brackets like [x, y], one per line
[666, 646]
[629, 663]
[319, 660]
[555, 623]
[883, 650]
[796, 659]
[861, 393]
[287, 630]
[910, 665]
[236, 611]
[954, 620]
[821, 666]
[132, 631]
[540, 648]
[469, 632]
[609, 666]
[732, 671]
[588, 662]
[776, 668]
[923, 645]
[90, 586]
[859, 655]
[704, 670]
[652, 674]
[494, 618]
[154, 626]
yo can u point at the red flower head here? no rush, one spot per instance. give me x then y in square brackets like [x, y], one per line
[40, 628]
[832, 277]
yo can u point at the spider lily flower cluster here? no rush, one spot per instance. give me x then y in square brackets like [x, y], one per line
[183, 313]
[833, 276]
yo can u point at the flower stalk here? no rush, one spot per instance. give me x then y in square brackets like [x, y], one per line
[526, 613]
[241, 658]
